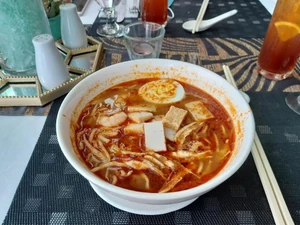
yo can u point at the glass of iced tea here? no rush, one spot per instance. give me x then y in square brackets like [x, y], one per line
[155, 11]
[281, 47]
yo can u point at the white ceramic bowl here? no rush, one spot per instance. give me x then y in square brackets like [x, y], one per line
[150, 203]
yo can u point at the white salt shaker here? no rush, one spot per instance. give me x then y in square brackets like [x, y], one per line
[72, 31]
[50, 66]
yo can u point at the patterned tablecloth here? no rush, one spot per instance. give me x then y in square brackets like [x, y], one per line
[52, 192]
[240, 54]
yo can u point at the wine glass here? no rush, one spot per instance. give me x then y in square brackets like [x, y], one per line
[110, 28]
[293, 101]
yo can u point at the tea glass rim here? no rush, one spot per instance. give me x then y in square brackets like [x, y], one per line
[160, 27]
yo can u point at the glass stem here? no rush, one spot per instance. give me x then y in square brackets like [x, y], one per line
[110, 26]
[298, 99]
[108, 20]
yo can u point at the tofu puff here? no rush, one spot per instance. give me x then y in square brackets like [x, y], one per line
[155, 135]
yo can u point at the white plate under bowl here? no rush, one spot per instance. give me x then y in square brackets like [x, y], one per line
[138, 208]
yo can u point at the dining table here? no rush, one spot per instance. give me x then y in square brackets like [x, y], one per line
[39, 186]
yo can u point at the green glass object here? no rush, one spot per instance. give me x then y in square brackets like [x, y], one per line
[20, 21]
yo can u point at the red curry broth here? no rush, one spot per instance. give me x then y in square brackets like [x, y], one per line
[135, 143]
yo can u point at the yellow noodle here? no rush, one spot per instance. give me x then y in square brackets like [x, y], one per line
[200, 168]
[204, 130]
[226, 154]
[94, 110]
[147, 182]
[109, 164]
[81, 145]
[107, 174]
[224, 131]
[153, 168]
[196, 145]
[114, 179]
[122, 173]
[155, 161]
[104, 150]
[103, 139]
[186, 156]
[110, 134]
[207, 141]
[92, 134]
[217, 142]
[132, 153]
[78, 136]
[95, 151]
[170, 184]
[208, 167]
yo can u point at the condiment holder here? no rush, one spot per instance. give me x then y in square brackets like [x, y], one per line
[51, 69]
[73, 34]
[28, 91]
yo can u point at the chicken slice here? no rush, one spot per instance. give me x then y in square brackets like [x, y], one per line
[171, 183]
[182, 134]
[138, 108]
[187, 156]
[140, 117]
[169, 133]
[134, 129]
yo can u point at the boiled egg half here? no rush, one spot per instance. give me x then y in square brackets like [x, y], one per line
[163, 91]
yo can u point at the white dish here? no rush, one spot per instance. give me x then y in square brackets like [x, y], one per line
[208, 81]
[138, 208]
[206, 24]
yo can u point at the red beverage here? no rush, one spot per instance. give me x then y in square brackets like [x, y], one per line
[280, 50]
[155, 11]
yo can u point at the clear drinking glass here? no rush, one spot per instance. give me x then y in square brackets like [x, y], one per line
[144, 40]
[293, 101]
[111, 28]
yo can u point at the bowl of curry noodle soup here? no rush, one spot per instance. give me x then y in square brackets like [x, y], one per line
[151, 136]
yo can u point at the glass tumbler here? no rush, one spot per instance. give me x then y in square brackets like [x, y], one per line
[144, 40]
[281, 47]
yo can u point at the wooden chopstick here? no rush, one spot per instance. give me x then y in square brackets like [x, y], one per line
[276, 201]
[200, 15]
[279, 197]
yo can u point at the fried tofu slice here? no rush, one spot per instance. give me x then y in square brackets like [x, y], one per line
[155, 137]
[137, 108]
[134, 129]
[174, 118]
[198, 111]
[140, 117]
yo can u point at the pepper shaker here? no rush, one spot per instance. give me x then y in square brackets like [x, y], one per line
[51, 68]
[72, 31]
